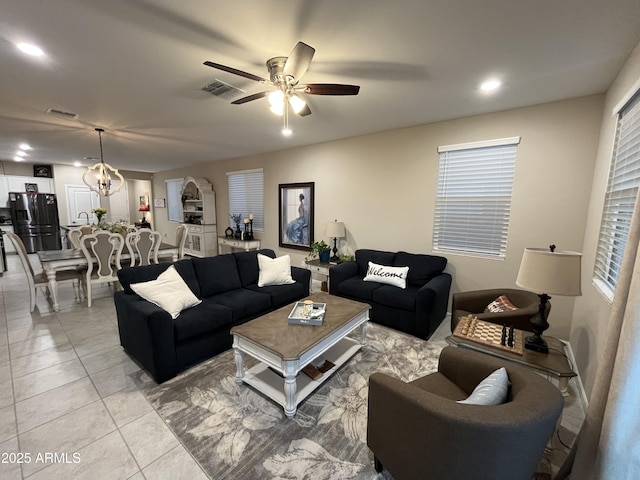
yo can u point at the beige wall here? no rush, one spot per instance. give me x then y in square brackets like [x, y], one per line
[383, 187]
[591, 313]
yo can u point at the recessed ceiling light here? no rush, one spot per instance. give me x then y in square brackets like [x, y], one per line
[491, 85]
[18, 159]
[77, 164]
[30, 49]
[20, 153]
[25, 146]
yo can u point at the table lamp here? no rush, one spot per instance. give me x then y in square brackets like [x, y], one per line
[144, 209]
[336, 230]
[546, 271]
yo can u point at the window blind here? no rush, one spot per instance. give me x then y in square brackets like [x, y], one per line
[620, 197]
[246, 195]
[473, 199]
[174, 202]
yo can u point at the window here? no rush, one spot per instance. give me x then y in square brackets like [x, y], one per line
[246, 195]
[174, 202]
[620, 198]
[474, 197]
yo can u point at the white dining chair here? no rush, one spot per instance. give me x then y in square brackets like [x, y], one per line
[40, 280]
[102, 250]
[181, 240]
[143, 245]
[74, 235]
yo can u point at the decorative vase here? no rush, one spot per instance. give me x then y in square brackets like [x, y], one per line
[238, 234]
[324, 256]
[228, 232]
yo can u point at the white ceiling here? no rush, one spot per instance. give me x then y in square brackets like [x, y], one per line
[135, 68]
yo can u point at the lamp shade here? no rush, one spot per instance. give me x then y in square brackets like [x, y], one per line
[144, 208]
[556, 273]
[335, 229]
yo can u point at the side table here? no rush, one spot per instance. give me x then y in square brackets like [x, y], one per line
[232, 243]
[316, 266]
[555, 363]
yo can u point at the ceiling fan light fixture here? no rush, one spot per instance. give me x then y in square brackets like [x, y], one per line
[296, 103]
[103, 174]
[276, 100]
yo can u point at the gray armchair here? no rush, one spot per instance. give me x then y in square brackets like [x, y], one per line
[417, 430]
[474, 302]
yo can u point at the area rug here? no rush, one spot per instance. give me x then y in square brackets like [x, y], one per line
[234, 432]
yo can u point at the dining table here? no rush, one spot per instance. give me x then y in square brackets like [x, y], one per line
[53, 260]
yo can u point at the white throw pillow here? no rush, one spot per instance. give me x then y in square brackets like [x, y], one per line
[169, 291]
[396, 276]
[490, 391]
[274, 271]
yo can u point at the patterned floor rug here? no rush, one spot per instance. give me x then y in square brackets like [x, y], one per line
[236, 433]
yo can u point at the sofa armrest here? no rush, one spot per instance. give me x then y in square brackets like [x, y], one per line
[303, 276]
[339, 273]
[431, 302]
[147, 334]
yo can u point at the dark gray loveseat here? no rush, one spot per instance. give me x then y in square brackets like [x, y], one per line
[227, 285]
[418, 309]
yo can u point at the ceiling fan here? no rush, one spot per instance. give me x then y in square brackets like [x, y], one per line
[284, 80]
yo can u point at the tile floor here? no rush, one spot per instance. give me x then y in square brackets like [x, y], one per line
[70, 406]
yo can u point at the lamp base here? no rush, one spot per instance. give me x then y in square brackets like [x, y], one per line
[537, 343]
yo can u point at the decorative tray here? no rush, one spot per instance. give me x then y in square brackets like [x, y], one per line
[315, 315]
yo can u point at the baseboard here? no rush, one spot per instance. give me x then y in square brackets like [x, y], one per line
[582, 395]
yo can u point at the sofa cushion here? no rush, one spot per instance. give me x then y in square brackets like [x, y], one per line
[243, 302]
[169, 291]
[207, 317]
[129, 275]
[216, 274]
[281, 294]
[274, 271]
[355, 287]
[364, 256]
[422, 268]
[404, 299]
[394, 276]
[248, 265]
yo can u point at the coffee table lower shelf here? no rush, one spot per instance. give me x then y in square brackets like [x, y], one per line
[263, 378]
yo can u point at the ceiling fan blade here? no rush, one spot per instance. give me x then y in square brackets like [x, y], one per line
[235, 71]
[329, 89]
[305, 111]
[298, 61]
[250, 98]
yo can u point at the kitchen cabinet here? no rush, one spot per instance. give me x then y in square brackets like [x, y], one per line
[4, 192]
[17, 183]
[8, 244]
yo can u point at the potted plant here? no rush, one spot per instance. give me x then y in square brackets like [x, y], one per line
[321, 250]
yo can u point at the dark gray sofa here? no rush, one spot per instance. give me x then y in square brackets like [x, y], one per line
[227, 285]
[417, 309]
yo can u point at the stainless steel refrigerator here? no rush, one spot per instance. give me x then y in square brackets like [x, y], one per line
[35, 220]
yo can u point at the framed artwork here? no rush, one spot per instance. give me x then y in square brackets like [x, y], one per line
[144, 200]
[159, 203]
[43, 171]
[295, 215]
[31, 187]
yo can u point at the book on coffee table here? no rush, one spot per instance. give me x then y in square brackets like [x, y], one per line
[310, 314]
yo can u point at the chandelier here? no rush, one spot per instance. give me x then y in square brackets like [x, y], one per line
[98, 178]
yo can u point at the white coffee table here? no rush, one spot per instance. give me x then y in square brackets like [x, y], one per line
[284, 349]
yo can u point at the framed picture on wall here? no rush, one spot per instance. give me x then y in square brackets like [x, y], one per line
[159, 203]
[295, 215]
[43, 171]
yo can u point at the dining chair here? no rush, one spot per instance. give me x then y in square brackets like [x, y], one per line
[74, 235]
[102, 250]
[40, 280]
[181, 240]
[143, 245]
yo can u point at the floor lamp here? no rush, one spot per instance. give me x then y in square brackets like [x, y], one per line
[336, 230]
[545, 272]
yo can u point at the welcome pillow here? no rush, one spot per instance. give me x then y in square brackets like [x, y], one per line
[169, 291]
[274, 271]
[396, 276]
[490, 391]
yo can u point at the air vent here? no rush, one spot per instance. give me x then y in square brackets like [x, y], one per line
[218, 88]
[60, 113]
